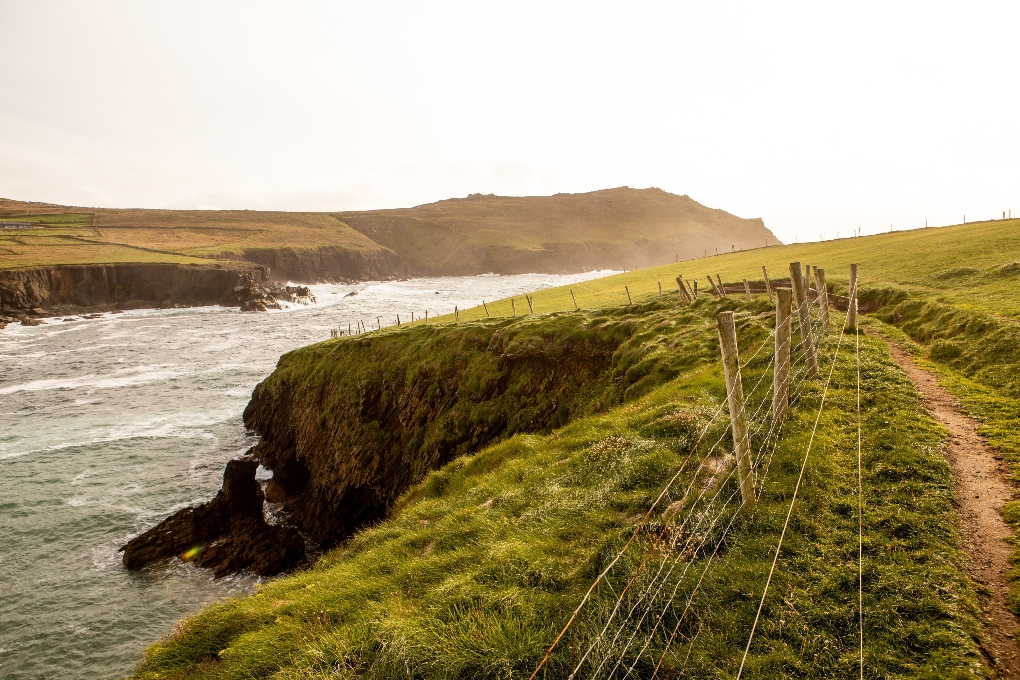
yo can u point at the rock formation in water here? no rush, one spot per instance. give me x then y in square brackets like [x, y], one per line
[228, 534]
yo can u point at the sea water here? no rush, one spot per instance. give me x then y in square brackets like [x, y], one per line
[109, 425]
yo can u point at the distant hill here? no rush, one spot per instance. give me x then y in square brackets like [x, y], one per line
[615, 228]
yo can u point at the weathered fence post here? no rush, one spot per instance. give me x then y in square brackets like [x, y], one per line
[804, 314]
[660, 289]
[738, 417]
[513, 306]
[768, 284]
[378, 321]
[531, 302]
[695, 289]
[576, 308]
[823, 293]
[348, 329]
[715, 289]
[747, 289]
[629, 301]
[680, 287]
[722, 288]
[690, 292]
[851, 312]
[483, 305]
[456, 313]
[398, 321]
[781, 370]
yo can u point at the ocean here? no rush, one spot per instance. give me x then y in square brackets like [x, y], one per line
[109, 425]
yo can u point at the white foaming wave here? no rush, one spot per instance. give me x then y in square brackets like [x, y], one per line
[135, 375]
[178, 426]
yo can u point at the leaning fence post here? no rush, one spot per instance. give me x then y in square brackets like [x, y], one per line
[768, 284]
[781, 370]
[483, 305]
[531, 302]
[682, 288]
[715, 289]
[823, 292]
[689, 291]
[576, 308]
[513, 306]
[629, 301]
[851, 312]
[747, 289]
[722, 288]
[738, 417]
[804, 315]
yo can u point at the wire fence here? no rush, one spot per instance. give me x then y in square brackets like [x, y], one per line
[645, 593]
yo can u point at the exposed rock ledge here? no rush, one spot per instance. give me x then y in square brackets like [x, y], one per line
[227, 534]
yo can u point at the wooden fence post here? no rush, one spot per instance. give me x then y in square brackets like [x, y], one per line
[715, 289]
[722, 288]
[513, 306]
[768, 284]
[683, 289]
[483, 305]
[689, 291]
[378, 321]
[531, 302]
[738, 417]
[456, 313]
[747, 289]
[426, 316]
[823, 293]
[851, 314]
[781, 370]
[576, 308]
[629, 301]
[804, 314]
[660, 289]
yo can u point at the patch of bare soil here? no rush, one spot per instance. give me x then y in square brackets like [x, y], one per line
[982, 487]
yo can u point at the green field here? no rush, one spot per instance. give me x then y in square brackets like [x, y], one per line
[974, 266]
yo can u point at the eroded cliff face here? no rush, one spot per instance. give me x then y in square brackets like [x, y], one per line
[348, 425]
[328, 263]
[102, 287]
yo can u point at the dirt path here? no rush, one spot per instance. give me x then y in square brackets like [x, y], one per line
[982, 487]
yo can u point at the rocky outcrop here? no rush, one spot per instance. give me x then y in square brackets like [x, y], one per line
[70, 289]
[228, 534]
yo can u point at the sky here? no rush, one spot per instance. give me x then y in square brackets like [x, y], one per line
[820, 118]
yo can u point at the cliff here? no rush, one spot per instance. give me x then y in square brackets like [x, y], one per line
[102, 287]
[349, 424]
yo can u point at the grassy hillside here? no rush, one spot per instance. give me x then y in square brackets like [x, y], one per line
[973, 266]
[480, 565]
[621, 228]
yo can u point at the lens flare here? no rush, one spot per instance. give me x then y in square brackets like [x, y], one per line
[191, 553]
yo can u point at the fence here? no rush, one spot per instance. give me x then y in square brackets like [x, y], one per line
[653, 579]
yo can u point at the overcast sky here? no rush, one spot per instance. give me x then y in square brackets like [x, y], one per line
[815, 116]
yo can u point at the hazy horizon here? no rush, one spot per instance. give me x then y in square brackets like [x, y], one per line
[816, 119]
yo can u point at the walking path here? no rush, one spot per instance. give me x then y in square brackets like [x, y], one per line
[982, 487]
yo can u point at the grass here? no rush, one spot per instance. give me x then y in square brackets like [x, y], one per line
[479, 566]
[973, 266]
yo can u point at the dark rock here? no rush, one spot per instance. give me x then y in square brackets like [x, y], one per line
[31, 322]
[253, 295]
[351, 294]
[38, 311]
[228, 534]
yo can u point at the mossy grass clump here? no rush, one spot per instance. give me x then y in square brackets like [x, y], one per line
[480, 565]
